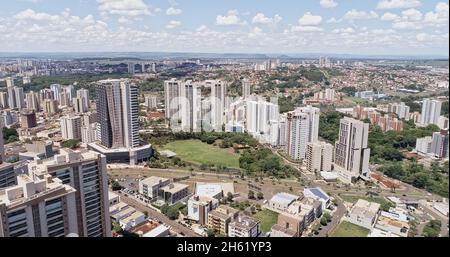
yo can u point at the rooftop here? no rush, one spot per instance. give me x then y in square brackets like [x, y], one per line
[154, 180]
[284, 198]
[174, 187]
[317, 191]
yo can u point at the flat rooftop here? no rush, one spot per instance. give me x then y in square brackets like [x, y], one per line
[284, 198]
[154, 180]
[174, 187]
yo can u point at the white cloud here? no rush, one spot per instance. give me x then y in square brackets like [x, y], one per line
[343, 30]
[306, 29]
[30, 14]
[398, 4]
[260, 18]
[389, 17]
[412, 15]
[422, 37]
[231, 18]
[328, 3]
[360, 15]
[172, 11]
[173, 24]
[131, 8]
[124, 20]
[310, 20]
[438, 18]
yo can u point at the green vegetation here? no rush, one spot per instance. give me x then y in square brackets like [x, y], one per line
[288, 104]
[329, 125]
[115, 186]
[444, 109]
[263, 161]
[197, 152]
[172, 212]
[152, 85]
[71, 143]
[386, 149]
[326, 218]
[10, 135]
[267, 218]
[432, 228]
[385, 204]
[81, 80]
[350, 91]
[240, 205]
[434, 179]
[347, 229]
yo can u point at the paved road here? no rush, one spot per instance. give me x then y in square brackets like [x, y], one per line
[337, 216]
[158, 216]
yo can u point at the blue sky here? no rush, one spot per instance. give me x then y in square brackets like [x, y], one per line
[418, 27]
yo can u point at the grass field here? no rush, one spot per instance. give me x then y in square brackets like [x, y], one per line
[354, 199]
[197, 152]
[268, 218]
[347, 229]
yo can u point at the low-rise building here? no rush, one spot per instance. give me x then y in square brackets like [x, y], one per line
[293, 222]
[199, 208]
[149, 187]
[219, 219]
[364, 213]
[244, 226]
[278, 230]
[318, 194]
[173, 193]
[281, 201]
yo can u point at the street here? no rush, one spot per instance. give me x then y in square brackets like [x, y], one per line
[157, 216]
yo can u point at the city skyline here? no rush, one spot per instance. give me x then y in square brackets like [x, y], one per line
[378, 27]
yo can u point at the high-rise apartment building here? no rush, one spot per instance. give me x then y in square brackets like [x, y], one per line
[50, 106]
[28, 119]
[439, 144]
[56, 89]
[302, 127]
[190, 106]
[83, 94]
[4, 100]
[319, 156]
[246, 88]
[32, 100]
[351, 156]
[38, 208]
[172, 93]
[71, 127]
[218, 98]
[118, 113]
[85, 171]
[431, 110]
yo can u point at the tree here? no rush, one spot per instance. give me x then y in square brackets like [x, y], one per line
[229, 197]
[210, 233]
[327, 216]
[260, 195]
[323, 221]
[173, 213]
[432, 228]
[115, 186]
[251, 194]
[71, 143]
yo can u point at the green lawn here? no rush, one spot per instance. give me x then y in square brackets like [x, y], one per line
[354, 199]
[268, 218]
[197, 152]
[347, 229]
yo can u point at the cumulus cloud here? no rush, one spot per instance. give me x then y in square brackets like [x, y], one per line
[260, 18]
[328, 3]
[398, 4]
[172, 11]
[231, 18]
[310, 20]
[173, 24]
[131, 8]
[389, 17]
[359, 15]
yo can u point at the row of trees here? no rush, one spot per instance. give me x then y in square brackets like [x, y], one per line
[263, 161]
